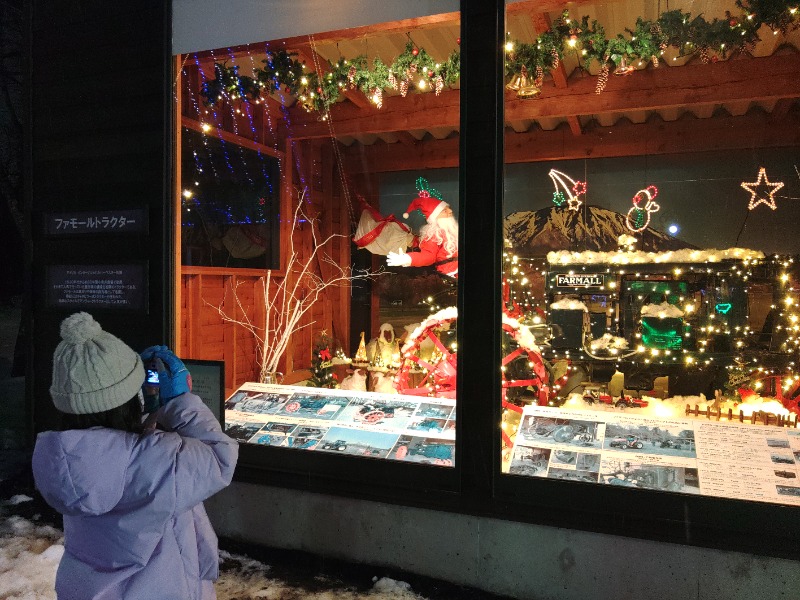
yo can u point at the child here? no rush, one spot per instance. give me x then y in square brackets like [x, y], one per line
[134, 523]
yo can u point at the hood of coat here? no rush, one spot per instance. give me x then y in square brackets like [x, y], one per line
[82, 471]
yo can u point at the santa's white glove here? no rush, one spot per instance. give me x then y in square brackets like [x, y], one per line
[398, 259]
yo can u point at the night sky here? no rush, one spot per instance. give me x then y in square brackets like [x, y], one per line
[700, 193]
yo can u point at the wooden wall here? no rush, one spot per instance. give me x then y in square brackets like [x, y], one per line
[205, 293]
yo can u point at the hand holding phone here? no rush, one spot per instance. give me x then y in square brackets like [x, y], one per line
[166, 374]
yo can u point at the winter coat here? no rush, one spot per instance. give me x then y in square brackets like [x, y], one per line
[134, 524]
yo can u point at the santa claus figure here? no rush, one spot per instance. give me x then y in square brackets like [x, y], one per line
[438, 240]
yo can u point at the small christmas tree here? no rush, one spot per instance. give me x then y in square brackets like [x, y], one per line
[321, 362]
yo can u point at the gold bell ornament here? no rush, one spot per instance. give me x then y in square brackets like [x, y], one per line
[624, 68]
[523, 85]
[518, 80]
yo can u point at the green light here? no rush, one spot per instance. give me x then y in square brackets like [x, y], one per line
[662, 333]
[723, 308]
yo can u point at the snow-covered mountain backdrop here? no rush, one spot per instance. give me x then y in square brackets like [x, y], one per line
[535, 233]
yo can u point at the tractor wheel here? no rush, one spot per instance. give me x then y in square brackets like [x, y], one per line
[373, 416]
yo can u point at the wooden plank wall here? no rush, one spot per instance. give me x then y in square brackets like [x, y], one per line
[205, 335]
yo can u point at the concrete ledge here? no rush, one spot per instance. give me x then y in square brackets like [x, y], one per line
[502, 557]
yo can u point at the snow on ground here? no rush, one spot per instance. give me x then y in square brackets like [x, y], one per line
[30, 553]
[31, 548]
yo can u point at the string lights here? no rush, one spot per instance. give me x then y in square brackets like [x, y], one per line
[638, 217]
[709, 312]
[755, 197]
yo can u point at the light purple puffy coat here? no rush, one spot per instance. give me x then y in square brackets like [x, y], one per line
[134, 524]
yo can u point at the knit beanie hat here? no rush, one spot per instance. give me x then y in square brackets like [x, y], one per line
[93, 371]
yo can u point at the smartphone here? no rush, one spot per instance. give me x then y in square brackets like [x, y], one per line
[152, 377]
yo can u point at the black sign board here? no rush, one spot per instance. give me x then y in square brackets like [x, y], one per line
[97, 222]
[122, 286]
[584, 280]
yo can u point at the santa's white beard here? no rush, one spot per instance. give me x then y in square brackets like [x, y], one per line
[443, 231]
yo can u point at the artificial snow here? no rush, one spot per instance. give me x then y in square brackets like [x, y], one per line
[608, 342]
[626, 240]
[446, 314]
[622, 257]
[662, 311]
[569, 304]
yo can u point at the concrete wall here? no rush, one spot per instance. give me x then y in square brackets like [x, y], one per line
[502, 557]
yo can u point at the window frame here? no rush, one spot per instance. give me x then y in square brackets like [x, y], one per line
[476, 485]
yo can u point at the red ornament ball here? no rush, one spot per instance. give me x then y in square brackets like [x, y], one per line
[430, 73]
[458, 41]
[319, 90]
[415, 51]
[733, 22]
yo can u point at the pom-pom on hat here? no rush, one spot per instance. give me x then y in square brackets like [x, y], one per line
[428, 201]
[93, 371]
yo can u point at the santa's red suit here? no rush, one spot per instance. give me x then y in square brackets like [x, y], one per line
[432, 252]
[438, 241]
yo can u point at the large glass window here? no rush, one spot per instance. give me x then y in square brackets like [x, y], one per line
[318, 194]
[650, 279]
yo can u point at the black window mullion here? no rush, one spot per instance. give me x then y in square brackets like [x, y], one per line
[480, 245]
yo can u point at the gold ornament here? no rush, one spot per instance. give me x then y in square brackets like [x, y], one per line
[518, 80]
[361, 353]
[529, 90]
[624, 68]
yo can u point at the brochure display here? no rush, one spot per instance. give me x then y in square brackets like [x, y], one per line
[690, 456]
[389, 426]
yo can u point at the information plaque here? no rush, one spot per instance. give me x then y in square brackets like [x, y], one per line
[118, 286]
[132, 220]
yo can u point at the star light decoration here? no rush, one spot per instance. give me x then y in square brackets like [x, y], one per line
[574, 190]
[755, 198]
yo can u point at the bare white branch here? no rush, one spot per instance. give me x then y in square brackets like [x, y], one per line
[289, 298]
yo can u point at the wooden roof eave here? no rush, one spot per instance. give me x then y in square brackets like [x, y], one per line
[754, 79]
[654, 137]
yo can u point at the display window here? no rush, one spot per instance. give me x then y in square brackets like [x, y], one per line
[650, 280]
[318, 236]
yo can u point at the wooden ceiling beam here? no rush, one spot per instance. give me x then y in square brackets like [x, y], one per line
[757, 79]
[655, 137]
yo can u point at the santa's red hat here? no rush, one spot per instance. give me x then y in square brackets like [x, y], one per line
[430, 207]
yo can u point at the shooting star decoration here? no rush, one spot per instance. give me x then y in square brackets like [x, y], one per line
[638, 217]
[573, 190]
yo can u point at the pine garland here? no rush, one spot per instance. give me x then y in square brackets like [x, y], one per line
[414, 68]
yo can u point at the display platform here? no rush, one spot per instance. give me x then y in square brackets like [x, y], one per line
[388, 426]
[690, 456]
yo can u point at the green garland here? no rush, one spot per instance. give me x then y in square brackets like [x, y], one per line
[283, 73]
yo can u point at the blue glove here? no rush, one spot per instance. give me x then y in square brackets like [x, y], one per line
[174, 378]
